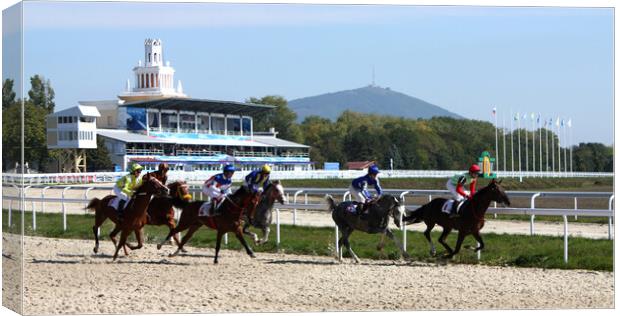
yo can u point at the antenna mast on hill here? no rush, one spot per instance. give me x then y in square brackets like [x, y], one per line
[373, 75]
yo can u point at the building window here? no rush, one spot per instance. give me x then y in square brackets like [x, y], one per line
[169, 122]
[153, 118]
[233, 125]
[188, 123]
[149, 57]
[152, 81]
[218, 125]
[246, 125]
[203, 122]
[142, 84]
[157, 80]
[155, 57]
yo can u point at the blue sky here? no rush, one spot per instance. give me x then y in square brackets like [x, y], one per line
[556, 61]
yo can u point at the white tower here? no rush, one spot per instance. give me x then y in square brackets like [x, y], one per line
[153, 79]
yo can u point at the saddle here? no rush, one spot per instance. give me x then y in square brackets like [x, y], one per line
[452, 206]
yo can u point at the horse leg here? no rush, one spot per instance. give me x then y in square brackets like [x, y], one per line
[99, 219]
[140, 237]
[442, 239]
[427, 234]
[121, 243]
[381, 244]
[348, 245]
[173, 232]
[171, 226]
[266, 231]
[113, 234]
[246, 231]
[218, 243]
[459, 242]
[398, 244]
[248, 250]
[479, 240]
[185, 239]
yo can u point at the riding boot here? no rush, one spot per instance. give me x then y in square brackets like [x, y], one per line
[215, 209]
[363, 210]
[119, 210]
[453, 210]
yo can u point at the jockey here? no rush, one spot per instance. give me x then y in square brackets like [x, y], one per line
[458, 181]
[359, 187]
[126, 186]
[258, 180]
[162, 173]
[218, 187]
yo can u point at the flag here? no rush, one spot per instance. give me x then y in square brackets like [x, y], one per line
[562, 123]
[570, 123]
[532, 116]
[524, 116]
[494, 111]
[538, 118]
[557, 122]
[517, 116]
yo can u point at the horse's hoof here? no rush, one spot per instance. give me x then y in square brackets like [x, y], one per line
[183, 250]
[215, 262]
[252, 255]
[158, 246]
[95, 250]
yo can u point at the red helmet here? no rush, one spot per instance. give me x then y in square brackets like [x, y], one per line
[474, 168]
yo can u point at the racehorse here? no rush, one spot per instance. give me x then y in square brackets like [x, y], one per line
[345, 217]
[469, 222]
[160, 212]
[262, 214]
[233, 208]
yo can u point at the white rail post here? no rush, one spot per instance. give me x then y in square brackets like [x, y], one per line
[403, 226]
[295, 209]
[565, 238]
[430, 197]
[478, 252]
[64, 209]
[533, 206]
[337, 247]
[611, 210]
[494, 206]
[226, 239]
[34, 220]
[278, 228]
[10, 212]
[575, 207]
[31, 204]
[306, 200]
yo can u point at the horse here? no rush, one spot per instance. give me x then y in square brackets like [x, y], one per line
[262, 214]
[375, 222]
[469, 222]
[160, 212]
[229, 221]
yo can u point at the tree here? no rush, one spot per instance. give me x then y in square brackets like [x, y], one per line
[8, 95]
[281, 118]
[98, 159]
[41, 93]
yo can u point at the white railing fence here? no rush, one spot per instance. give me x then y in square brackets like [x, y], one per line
[199, 176]
[532, 211]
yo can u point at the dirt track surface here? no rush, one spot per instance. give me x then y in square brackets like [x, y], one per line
[63, 276]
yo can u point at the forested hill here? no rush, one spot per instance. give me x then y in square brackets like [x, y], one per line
[370, 100]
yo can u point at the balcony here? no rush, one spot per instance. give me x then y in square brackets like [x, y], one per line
[139, 151]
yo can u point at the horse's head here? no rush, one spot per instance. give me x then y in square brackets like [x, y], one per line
[275, 192]
[497, 193]
[180, 190]
[394, 206]
[246, 199]
[151, 185]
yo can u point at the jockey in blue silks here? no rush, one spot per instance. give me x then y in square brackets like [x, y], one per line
[218, 187]
[258, 180]
[359, 187]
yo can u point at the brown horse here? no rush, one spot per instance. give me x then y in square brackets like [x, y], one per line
[469, 222]
[233, 208]
[134, 220]
[160, 212]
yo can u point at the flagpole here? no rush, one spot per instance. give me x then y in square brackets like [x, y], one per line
[565, 148]
[519, 141]
[559, 146]
[552, 148]
[512, 144]
[533, 143]
[496, 146]
[570, 130]
[504, 138]
[540, 141]
[526, 145]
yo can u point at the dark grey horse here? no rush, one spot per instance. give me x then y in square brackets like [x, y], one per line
[262, 214]
[375, 222]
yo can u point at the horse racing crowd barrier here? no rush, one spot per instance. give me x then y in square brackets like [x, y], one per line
[199, 175]
[532, 211]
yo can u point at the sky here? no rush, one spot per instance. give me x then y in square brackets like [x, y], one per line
[466, 59]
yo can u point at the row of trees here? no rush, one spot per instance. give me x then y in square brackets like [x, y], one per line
[38, 104]
[437, 143]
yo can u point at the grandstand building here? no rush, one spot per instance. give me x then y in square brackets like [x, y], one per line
[153, 121]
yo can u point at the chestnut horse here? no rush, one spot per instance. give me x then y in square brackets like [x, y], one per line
[160, 212]
[469, 222]
[233, 208]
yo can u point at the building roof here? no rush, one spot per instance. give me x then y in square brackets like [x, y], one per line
[202, 105]
[359, 165]
[181, 139]
[276, 142]
[101, 104]
[79, 110]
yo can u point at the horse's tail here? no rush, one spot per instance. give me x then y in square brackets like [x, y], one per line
[415, 216]
[93, 204]
[330, 202]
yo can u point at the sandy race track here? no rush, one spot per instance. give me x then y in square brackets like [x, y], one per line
[63, 276]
